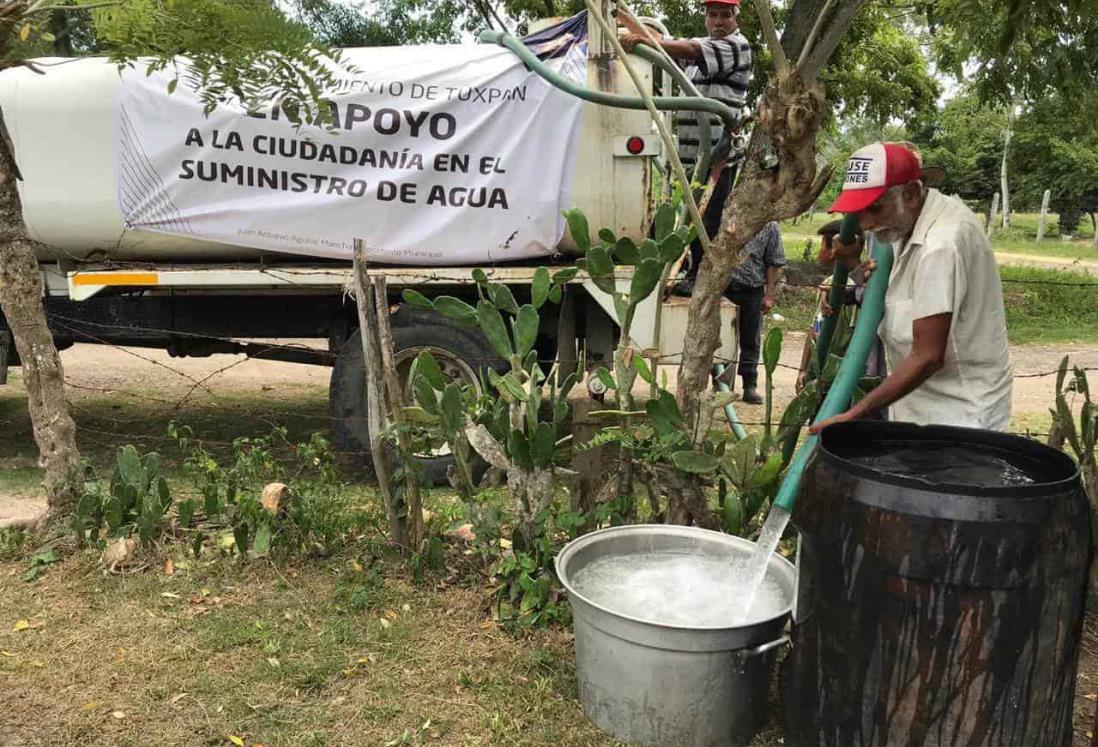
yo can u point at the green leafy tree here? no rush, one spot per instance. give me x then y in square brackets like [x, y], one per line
[391, 23]
[967, 142]
[1056, 148]
[1018, 49]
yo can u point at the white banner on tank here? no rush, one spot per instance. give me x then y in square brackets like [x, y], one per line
[439, 155]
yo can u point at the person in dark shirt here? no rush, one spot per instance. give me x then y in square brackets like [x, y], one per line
[753, 287]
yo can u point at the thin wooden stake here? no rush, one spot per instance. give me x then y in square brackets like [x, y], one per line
[375, 397]
[991, 215]
[395, 409]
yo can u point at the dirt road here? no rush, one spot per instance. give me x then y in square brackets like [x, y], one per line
[94, 368]
[1087, 266]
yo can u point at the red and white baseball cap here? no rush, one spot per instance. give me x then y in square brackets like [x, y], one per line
[723, 2]
[871, 171]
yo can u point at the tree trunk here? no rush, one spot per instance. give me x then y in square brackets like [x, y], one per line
[789, 117]
[1008, 134]
[991, 215]
[1094, 222]
[44, 378]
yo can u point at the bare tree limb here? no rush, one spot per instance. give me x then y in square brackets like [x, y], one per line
[770, 33]
[483, 13]
[492, 8]
[811, 40]
[799, 19]
[487, 11]
[841, 21]
[375, 394]
[413, 497]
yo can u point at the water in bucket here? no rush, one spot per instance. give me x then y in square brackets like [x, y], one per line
[681, 589]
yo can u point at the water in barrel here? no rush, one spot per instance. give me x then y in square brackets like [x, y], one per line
[942, 580]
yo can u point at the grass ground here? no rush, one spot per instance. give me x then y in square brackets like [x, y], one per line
[1043, 306]
[342, 650]
[314, 654]
[111, 419]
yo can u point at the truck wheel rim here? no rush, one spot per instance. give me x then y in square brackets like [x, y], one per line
[454, 368]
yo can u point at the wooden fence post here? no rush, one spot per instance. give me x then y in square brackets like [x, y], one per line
[395, 409]
[375, 395]
[1044, 215]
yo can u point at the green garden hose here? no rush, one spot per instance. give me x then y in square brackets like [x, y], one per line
[621, 101]
[835, 298]
[852, 369]
[729, 411]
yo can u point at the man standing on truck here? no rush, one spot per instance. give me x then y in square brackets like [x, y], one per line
[720, 66]
[944, 326]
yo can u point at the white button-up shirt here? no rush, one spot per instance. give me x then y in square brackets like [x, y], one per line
[948, 267]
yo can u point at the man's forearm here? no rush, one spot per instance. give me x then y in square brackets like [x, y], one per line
[682, 49]
[773, 276]
[908, 376]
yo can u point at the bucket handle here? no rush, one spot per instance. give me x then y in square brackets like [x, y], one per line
[745, 655]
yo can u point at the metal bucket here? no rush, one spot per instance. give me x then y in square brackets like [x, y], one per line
[665, 685]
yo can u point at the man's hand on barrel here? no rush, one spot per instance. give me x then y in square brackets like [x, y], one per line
[841, 418]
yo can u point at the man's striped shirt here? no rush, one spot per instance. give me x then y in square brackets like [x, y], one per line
[723, 73]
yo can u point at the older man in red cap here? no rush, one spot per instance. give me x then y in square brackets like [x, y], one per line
[944, 327]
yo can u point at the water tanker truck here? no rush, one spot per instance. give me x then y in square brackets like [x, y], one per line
[163, 225]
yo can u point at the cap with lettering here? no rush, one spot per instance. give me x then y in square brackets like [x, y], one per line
[871, 171]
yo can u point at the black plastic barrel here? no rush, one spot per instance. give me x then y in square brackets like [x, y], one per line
[941, 609]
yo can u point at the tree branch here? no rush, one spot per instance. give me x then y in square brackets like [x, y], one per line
[492, 8]
[811, 40]
[770, 33]
[841, 21]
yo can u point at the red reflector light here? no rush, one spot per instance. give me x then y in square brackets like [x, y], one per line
[635, 145]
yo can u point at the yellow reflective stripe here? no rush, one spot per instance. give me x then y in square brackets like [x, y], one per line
[111, 278]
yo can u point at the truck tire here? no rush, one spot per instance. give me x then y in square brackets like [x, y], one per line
[462, 352]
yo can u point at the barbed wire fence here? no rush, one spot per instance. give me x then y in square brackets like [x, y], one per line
[168, 409]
